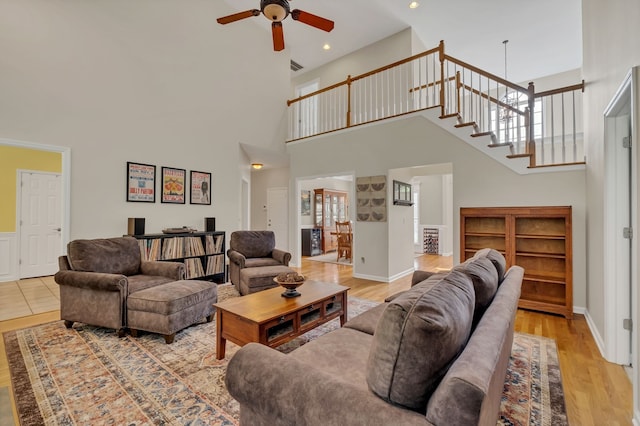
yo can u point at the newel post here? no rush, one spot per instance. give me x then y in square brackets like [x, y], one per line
[529, 121]
[442, 58]
[349, 101]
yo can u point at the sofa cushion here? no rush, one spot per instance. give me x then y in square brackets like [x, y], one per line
[253, 243]
[484, 276]
[140, 282]
[419, 334]
[119, 255]
[498, 260]
[367, 321]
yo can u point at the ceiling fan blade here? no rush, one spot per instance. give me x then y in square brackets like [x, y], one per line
[311, 19]
[238, 16]
[278, 36]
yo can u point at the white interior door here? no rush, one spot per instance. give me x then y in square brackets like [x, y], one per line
[278, 216]
[40, 223]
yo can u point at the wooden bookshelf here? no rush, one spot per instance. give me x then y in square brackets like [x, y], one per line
[203, 253]
[536, 238]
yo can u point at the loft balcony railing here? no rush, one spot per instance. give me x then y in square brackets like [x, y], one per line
[546, 127]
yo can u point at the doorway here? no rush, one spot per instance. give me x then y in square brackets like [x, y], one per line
[10, 241]
[39, 223]
[620, 272]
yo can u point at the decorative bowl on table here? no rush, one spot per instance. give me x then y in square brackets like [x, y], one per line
[290, 281]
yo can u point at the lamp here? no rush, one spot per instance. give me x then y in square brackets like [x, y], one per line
[275, 10]
[256, 166]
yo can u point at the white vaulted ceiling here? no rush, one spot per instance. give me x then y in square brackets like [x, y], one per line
[544, 35]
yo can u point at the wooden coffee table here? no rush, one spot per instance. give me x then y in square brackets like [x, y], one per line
[268, 318]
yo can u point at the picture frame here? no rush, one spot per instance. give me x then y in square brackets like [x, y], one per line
[305, 202]
[402, 195]
[141, 182]
[173, 185]
[200, 188]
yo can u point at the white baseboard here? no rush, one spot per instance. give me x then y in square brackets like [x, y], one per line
[372, 277]
[594, 332]
[384, 279]
[8, 257]
[636, 418]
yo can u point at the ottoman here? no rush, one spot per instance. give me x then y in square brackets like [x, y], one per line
[168, 308]
[260, 278]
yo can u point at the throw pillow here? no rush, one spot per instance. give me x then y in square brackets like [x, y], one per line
[498, 260]
[485, 282]
[420, 333]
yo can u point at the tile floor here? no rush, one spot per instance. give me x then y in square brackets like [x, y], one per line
[28, 296]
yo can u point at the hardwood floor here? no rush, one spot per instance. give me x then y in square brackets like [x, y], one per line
[596, 391]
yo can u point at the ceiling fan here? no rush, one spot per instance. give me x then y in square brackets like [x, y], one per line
[276, 11]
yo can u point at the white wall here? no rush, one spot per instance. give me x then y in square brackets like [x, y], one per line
[156, 82]
[261, 181]
[400, 225]
[611, 47]
[431, 199]
[477, 181]
[381, 53]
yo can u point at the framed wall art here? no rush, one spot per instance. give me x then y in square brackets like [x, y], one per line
[200, 185]
[141, 182]
[173, 181]
[305, 202]
[402, 194]
[371, 193]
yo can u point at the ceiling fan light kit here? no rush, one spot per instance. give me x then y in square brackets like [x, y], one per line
[276, 11]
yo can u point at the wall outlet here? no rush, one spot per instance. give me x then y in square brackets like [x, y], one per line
[362, 259]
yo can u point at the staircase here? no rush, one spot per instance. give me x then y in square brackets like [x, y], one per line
[526, 131]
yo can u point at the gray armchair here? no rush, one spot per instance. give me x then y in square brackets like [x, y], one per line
[250, 249]
[96, 276]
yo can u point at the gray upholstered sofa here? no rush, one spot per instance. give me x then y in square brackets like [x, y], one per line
[436, 354]
[256, 250]
[96, 277]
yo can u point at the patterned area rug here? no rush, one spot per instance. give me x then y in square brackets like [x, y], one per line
[330, 258]
[90, 376]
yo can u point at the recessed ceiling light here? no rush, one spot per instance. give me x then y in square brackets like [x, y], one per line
[413, 5]
[326, 46]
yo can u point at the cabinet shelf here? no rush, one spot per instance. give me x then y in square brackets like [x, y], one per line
[486, 234]
[542, 237]
[541, 254]
[203, 253]
[536, 238]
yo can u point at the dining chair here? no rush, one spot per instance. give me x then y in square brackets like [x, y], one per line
[345, 239]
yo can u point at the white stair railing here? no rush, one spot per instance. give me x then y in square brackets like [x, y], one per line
[546, 126]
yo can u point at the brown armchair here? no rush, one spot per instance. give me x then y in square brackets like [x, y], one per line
[250, 249]
[96, 276]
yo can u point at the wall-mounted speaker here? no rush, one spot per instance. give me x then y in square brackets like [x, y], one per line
[210, 224]
[135, 226]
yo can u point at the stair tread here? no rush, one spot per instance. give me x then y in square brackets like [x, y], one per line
[477, 135]
[519, 155]
[470, 123]
[499, 145]
[454, 115]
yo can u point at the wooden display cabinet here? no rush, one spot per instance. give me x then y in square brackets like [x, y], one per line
[330, 205]
[536, 238]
